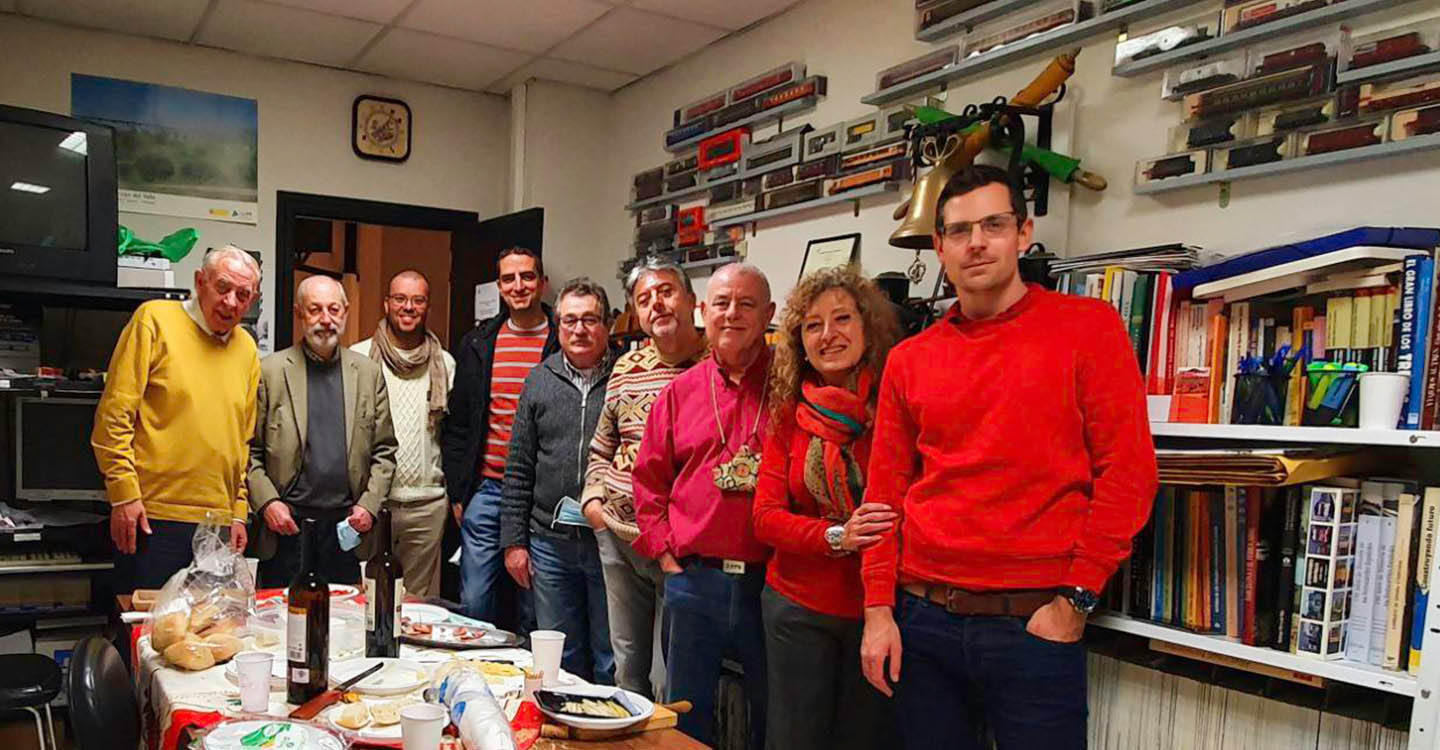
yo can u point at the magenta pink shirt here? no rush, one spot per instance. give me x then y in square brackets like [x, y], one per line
[677, 505]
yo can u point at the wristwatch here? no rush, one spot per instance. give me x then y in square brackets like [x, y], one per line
[1082, 599]
[834, 536]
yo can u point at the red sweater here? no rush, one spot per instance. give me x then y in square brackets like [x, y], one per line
[788, 519]
[1017, 450]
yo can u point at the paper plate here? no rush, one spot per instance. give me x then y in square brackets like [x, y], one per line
[646, 708]
[229, 735]
[397, 677]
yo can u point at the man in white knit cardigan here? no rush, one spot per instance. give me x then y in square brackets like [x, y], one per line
[418, 375]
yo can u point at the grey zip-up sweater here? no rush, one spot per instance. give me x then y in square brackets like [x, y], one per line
[554, 422]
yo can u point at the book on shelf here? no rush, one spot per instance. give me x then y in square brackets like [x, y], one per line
[1304, 569]
[1424, 561]
[1365, 296]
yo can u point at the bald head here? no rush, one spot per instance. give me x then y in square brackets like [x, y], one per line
[323, 310]
[323, 286]
[407, 303]
[744, 274]
[736, 309]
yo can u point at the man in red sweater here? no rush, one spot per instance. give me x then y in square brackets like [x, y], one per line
[1012, 438]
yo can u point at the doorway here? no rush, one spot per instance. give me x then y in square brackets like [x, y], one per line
[363, 257]
[342, 226]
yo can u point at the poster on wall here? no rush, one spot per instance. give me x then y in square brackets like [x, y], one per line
[178, 152]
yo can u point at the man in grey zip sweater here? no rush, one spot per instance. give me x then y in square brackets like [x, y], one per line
[548, 544]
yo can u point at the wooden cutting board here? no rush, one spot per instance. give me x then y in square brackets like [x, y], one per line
[664, 717]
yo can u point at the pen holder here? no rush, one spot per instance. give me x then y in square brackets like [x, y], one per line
[1331, 397]
[1259, 398]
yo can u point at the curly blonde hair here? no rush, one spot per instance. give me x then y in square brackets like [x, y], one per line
[790, 366]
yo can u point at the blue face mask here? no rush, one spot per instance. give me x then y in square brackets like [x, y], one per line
[349, 537]
[567, 513]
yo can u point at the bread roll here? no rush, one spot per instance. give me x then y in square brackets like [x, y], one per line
[222, 646]
[169, 629]
[190, 655]
[204, 615]
[353, 716]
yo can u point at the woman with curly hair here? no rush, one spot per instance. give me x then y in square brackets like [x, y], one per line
[835, 332]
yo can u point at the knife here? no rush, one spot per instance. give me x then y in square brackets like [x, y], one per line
[311, 708]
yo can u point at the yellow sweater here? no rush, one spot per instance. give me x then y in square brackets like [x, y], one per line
[174, 425]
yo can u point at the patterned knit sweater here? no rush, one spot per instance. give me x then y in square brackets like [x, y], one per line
[417, 459]
[637, 379]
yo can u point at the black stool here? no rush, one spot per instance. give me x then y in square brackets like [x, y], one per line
[29, 682]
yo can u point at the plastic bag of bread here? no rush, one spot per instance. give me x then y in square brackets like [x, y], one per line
[190, 654]
[211, 597]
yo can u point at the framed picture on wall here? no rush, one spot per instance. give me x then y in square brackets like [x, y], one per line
[830, 252]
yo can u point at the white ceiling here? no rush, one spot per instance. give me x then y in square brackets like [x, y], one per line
[481, 45]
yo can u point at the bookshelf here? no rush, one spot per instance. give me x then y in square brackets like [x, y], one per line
[1277, 434]
[1338, 670]
[1423, 689]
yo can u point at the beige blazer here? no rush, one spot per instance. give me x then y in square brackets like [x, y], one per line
[278, 448]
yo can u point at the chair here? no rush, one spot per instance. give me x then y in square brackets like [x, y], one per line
[103, 710]
[30, 682]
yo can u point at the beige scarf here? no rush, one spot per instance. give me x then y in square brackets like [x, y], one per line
[407, 363]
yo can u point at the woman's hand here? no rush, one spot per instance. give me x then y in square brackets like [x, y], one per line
[867, 525]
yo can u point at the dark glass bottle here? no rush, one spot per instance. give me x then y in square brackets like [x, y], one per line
[307, 640]
[384, 591]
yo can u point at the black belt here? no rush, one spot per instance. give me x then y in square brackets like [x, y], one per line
[733, 567]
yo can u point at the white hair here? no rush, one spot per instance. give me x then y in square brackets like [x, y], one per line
[741, 268]
[310, 281]
[213, 259]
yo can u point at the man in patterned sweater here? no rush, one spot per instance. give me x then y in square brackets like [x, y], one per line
[418, 373]
[664, 305]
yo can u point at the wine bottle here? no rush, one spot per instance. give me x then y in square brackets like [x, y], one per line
[384, 591]
[307, 633]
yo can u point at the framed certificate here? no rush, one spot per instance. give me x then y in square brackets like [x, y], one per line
[830, 252]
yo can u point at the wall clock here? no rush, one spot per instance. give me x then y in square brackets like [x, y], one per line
[380, 128]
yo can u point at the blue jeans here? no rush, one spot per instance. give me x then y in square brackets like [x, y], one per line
[482, 562]
[709, 615]
[977, 672]
[570, 597]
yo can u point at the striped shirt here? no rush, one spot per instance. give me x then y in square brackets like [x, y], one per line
[517, 351]
[638, 378]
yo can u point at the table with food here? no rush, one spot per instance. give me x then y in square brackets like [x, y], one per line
[220, 668]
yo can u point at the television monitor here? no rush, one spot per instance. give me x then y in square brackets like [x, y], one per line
[58, 201]
[53, 458]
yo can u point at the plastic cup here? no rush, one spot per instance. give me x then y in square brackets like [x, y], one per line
[421, 725]
[254, 564]
[1382, 394]
[547, 646]
[252, 668]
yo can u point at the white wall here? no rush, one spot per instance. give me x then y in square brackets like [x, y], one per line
[1109, 122]
[567, 154]
[459, 156]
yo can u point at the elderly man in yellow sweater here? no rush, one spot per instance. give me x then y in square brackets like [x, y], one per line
[171, 430]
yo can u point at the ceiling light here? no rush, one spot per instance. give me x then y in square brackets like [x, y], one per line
[75, 142]
[27, 187]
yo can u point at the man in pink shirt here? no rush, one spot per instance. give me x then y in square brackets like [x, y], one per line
[694, 482]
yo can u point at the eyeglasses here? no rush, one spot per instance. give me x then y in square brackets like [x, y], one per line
[416, 300]
[992, 226]
[589, 321]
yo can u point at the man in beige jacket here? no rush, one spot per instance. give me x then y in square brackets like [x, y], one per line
[324, 447]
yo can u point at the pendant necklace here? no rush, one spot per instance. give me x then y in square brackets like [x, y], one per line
[742, 471]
